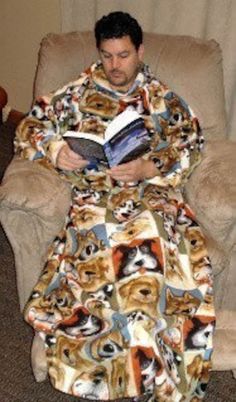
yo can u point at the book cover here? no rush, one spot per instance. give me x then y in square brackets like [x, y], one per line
[125, 139]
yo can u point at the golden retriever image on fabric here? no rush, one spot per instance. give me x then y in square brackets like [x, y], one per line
[141, 293]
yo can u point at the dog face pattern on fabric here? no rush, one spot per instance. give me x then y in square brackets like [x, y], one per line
[125, 300]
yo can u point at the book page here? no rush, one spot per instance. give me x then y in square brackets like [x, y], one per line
[130, 142]
[119, 122]
[87, 136]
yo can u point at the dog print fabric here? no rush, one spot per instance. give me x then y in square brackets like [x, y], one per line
[125, 301]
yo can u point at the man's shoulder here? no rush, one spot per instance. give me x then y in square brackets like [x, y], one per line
[82, 80]
[152, 80]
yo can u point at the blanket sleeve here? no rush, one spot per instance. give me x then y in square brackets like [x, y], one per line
[39, 136]
[178, 141]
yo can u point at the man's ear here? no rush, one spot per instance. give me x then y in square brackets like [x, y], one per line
[141, 52]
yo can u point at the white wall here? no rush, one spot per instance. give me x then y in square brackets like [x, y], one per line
[23, 23]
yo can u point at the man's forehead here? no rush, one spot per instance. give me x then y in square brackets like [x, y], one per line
[117, 45]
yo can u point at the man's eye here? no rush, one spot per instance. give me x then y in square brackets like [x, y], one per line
[124, 56]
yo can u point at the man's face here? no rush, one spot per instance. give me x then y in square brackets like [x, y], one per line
[120, 61]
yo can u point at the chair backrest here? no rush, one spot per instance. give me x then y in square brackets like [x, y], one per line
[191, 67]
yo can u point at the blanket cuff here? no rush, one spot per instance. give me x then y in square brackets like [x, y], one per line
[54, 149]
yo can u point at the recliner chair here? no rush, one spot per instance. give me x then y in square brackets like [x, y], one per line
[34, 201]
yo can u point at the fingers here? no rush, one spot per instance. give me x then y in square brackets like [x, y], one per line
[138, 169]
[69, 160]
[121, 177]
[126, 172]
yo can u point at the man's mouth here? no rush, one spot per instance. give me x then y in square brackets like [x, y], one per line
[116, 73]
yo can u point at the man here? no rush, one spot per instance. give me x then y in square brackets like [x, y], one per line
[121, 60]
[124, 304]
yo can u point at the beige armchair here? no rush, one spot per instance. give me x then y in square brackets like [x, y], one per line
[34, 201]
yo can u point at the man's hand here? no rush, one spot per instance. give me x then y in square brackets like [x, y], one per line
[69, 160]
[138, 169]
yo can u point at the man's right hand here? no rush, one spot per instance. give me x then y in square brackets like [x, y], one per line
[69, 160]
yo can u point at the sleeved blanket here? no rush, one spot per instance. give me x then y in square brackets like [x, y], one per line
[125, 301]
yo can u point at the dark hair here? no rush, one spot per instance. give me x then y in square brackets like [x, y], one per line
[116, 25]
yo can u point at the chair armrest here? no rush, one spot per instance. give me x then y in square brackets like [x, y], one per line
[33, 205]
[211, 192]
[29, 186]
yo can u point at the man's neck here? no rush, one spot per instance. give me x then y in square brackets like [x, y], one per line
[125, 88]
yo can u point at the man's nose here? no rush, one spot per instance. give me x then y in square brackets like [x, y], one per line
[115, 63]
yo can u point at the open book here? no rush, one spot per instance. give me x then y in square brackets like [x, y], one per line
[126, 138]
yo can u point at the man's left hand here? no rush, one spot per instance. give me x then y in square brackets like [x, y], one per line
[138, 169]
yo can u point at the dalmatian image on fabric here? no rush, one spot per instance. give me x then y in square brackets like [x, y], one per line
[125, 301]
